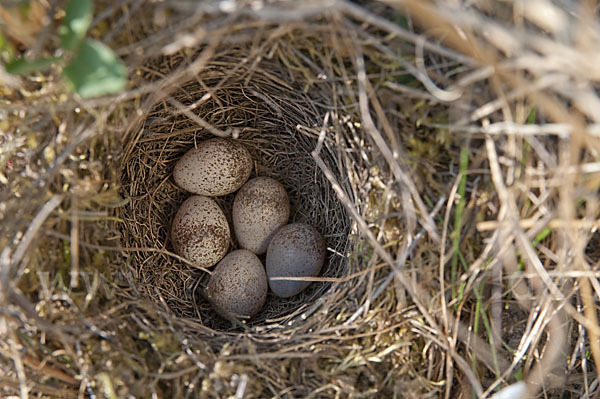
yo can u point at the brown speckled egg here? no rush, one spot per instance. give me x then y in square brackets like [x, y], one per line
[238, 285]
[260, 208]
[216, 167]
[296, 250]
[200, 232]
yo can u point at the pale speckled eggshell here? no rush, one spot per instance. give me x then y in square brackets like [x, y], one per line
[260, 208]
[200, 232]
[215, 167]
[238, 285]
[296, 250]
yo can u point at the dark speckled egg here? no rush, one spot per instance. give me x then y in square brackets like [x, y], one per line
[238, 285]
[216, 167]
[296, 250]
[200, 232]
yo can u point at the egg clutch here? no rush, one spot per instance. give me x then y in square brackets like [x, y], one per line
[201, 234]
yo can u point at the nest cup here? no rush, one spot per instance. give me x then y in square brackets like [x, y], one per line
[278, 118]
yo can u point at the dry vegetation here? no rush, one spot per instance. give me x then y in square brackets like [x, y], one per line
[448, 151]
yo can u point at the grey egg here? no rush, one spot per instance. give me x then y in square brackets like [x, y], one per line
[216, 167]
[296, 250]
[260, 208]
[200, 232]
[238, 285]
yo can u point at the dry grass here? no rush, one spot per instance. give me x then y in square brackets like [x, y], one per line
[448, 154]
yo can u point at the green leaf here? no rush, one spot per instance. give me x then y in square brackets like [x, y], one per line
[531, 116]
[96, 70]
[78, 16]
[543, 234]
[6, 49]
[21, 66]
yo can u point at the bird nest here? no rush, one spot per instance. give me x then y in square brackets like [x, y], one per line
[278, 119]
[447, 152]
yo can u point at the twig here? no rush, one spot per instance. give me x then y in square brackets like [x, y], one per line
[201, 122]
[442, 95]
[492, 225]
[589, 309]
[34, 226]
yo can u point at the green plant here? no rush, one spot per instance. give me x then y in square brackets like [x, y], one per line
[92, 68]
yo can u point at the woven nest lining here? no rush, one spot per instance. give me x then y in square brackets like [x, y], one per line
[279, 123]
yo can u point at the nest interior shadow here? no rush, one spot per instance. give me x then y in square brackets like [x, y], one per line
[272, 114]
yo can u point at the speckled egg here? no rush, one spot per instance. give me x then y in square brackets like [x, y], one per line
[200, 232]
[238, 285]
[215, 167]
[260, 208]
[296, 250]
